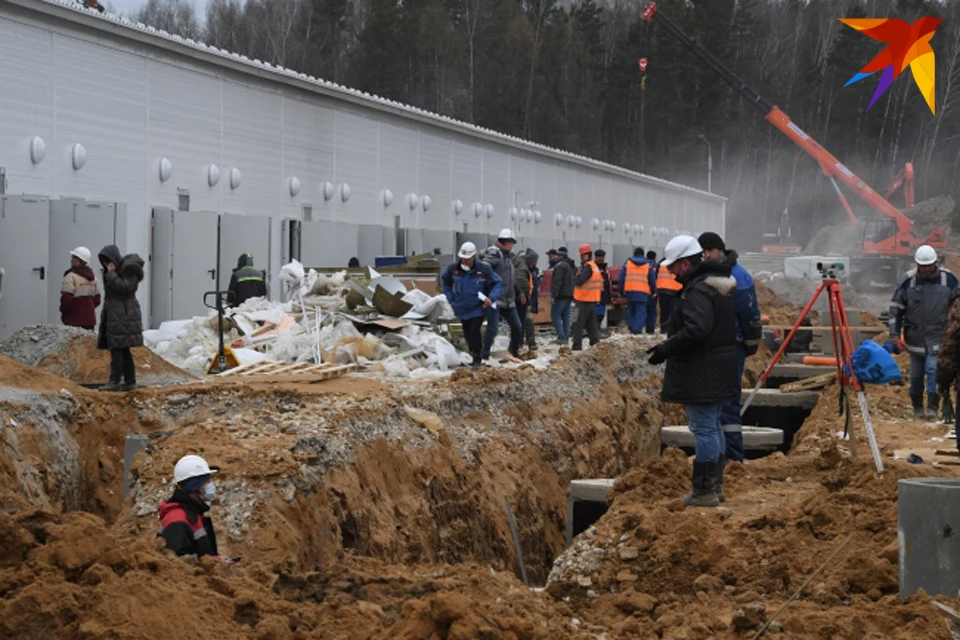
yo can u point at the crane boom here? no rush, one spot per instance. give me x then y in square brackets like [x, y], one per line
[830, 165]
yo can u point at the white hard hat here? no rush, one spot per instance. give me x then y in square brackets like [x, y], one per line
[926, 255]
[507, 234]
[190, 467]
[467, 250]
[680, 247]
[81, 253]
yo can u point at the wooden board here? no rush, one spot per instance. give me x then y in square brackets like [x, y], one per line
[311, 374]
[948, 452]
[807, 384]
[278, 369]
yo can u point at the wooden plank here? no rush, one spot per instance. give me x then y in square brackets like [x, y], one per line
[265, 367]
[296, 366]
[809, 383]
[953, 453]
[236, 370]
[293, 377]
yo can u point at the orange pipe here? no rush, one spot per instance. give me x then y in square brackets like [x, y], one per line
[820, 360]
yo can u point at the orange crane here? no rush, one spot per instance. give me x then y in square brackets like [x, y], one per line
[887, 243]
[903, 180]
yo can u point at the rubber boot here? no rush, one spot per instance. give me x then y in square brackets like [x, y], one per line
[933, 405]
[703, 494]
[718, 479]
[917, 405]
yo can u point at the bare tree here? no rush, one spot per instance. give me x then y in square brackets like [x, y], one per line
[173, 16]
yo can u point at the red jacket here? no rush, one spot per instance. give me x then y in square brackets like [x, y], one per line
[79, 298]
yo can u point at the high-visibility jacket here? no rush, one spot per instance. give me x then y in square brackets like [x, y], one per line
[592, 289]
[667, 282]
[529, 285]
[636, 278]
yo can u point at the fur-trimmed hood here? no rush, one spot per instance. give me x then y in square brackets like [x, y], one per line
[724, 284]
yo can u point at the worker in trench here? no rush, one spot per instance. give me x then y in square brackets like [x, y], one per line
[587, 293]
[749, 333]
[702, 357]
[246, 282]
[919, 308]
[472, 288]
[184, 524]
[121, 322]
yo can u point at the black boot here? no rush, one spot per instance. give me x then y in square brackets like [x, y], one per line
[703, 494]
[477, 361]
[718, 479]
[933, 405]
[917, 405]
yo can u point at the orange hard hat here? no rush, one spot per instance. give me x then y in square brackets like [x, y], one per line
[585, 248]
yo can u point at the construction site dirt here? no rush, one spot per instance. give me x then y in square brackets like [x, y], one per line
[367, 508]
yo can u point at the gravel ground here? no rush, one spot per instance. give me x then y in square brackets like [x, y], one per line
[35, 342]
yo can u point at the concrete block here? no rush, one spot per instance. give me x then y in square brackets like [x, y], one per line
[586, 503]
[773, 398]
[754, 438]
[928, 532]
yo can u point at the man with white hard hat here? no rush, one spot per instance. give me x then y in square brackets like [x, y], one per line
[79, 292]
[701, 356]
[184, 523]
[500, 257]
[471, 287]
[919, 308]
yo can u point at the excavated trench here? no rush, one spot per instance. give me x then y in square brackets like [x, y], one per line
[408, 474]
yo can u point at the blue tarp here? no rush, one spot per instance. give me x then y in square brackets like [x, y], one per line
[874, 364]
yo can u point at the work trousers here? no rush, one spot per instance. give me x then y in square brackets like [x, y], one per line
[121, 364]
[529, 331]
[704, 423]
[651, 321]
[921, 366]
[666, 310]
[586, 320]
[473, 334]
[730, 419]
[560, 316]
[493, 326]
[636, 316]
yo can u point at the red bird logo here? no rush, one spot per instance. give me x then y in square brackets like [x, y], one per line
[908, 45]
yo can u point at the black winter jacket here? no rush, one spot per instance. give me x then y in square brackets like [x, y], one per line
[561, 285]
[703, 364]
[121, 323]
[246, 282]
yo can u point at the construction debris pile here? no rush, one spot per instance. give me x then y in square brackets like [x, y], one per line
[376, 323]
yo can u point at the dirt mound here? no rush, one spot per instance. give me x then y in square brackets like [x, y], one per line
[72, 354]
[16, 374]
[720, 572]
[71, 576]
[781, 312]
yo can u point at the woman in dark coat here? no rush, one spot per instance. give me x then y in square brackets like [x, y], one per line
[121, 324]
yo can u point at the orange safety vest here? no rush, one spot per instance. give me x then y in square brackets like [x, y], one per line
[637, 278]
[666, 281]
[593, 288]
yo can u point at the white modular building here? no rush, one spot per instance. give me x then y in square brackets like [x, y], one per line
[114, 132]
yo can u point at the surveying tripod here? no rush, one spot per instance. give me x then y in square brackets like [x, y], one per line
[843, 349]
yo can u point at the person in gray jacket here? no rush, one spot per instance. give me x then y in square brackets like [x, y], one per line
[561, 292]
[919, 307]
[500, 257]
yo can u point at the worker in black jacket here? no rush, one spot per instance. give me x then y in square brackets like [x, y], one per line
[246, 282]
[184, 523]
[701, 355]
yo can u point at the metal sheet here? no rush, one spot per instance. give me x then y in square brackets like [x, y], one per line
[194, 261]
[73, 223]
[161, 266]
[24, 232]
[370, 243]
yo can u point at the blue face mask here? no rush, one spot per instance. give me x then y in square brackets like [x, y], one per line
[209, 491]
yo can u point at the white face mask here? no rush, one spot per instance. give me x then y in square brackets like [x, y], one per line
[465, 267]
[209, 491]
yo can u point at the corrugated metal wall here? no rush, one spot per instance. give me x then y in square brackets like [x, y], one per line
[131, 105]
